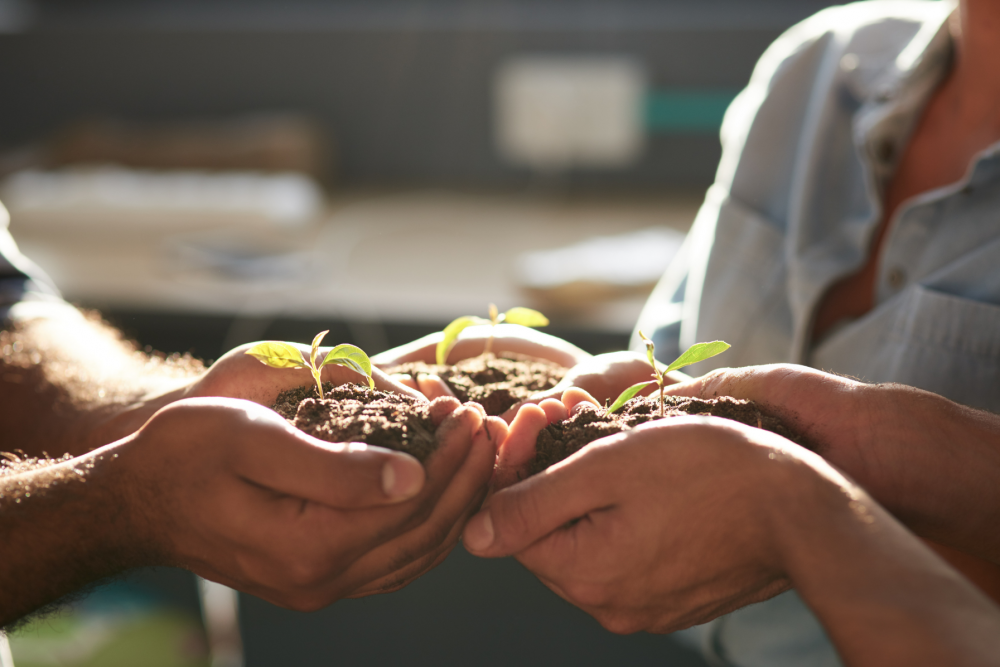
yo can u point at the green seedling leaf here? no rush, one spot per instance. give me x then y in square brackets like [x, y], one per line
[317, 339]
[526, 317]
[352, 357]
[628, 395]
[698, 352]
[277, 354]
[451, 333]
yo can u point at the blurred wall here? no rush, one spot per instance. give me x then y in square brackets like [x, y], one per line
[404, 87]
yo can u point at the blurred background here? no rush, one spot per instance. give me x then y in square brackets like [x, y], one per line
[211, 172]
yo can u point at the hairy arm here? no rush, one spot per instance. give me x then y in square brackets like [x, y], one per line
[70, 383]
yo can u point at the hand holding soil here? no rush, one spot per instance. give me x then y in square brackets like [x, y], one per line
[227, 489]
[236, 375]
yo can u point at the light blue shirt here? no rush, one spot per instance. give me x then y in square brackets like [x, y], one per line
[25, 290]
[808, 148]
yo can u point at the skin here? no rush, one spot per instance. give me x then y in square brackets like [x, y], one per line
[677, 522]
[197, 483]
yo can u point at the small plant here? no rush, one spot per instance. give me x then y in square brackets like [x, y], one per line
[524, 316]
[694, 354]
[277, 354]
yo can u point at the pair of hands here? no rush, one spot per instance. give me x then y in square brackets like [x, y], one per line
[594, 528]
[221, 485]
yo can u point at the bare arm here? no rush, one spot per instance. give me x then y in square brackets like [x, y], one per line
[680, 521]
[158, 474]
[931, 462]
[69, 384]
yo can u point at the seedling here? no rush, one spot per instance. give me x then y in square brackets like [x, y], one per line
[524, 316]
[694, 354]
[277, 354]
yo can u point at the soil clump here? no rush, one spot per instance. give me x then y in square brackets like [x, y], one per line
[562, 439]
[496, 383]
[355, 413]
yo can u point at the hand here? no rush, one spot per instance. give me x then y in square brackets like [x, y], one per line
[604, 377]
[656, 529]
[238, 375]
[229, 490]
[682, 520]
[506, 338]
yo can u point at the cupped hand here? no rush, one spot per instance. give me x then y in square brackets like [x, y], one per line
[835, 416]
[228, 489]
[604, 377]
[238, 375]
[506, 338]
[656, 529]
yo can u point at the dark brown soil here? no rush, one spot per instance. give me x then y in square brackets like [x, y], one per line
[354, 413]
[562, 439]
[496, 383]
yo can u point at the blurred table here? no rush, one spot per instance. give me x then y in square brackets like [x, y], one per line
[400, 256]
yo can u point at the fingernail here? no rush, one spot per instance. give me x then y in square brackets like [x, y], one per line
[479, 532]
[402, 478]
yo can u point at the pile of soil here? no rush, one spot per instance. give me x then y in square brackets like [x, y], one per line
[496, 383]
[562, 439]
[355, 413]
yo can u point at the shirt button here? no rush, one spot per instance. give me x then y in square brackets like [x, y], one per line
[849, 62]
[896, 278]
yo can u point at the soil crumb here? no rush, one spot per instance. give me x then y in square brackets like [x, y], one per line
[353, 413]
[496, 383]
[562, 439]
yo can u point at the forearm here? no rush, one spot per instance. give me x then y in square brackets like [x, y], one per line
[64, 525]
[938, 468]
[70, 384]
[883, 596]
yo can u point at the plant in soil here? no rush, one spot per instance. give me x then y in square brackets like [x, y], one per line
[694, 354]
[525, 317]
[590, 422]
[351, 412]
[278, 354]
[496, 383]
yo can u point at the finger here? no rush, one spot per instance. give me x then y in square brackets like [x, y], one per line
[432, 386]
[406, 380]
[442, 407]
[386, 382]
[341, 475]
[573, 397]
[522, 514]
[423, 544]
[494, 429]
[422, 349]
[519, 446]
[555, 410]
[339, 375]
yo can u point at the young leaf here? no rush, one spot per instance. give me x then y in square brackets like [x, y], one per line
[277, 354]
[353, 358]
[649, 353]
[628, 395]
[698, 352]
[495, 317]
[526, 317]
[451, 335]
[317, 339]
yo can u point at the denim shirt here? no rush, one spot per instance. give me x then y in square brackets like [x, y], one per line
[25, 290]
[808, 148]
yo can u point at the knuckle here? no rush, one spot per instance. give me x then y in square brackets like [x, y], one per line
[619, 623]
[584, 594]
[305, 601]
[304, 573]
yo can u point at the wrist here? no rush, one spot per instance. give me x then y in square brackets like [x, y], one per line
[114, 421]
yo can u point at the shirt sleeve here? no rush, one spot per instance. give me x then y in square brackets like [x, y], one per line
[25, 290]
